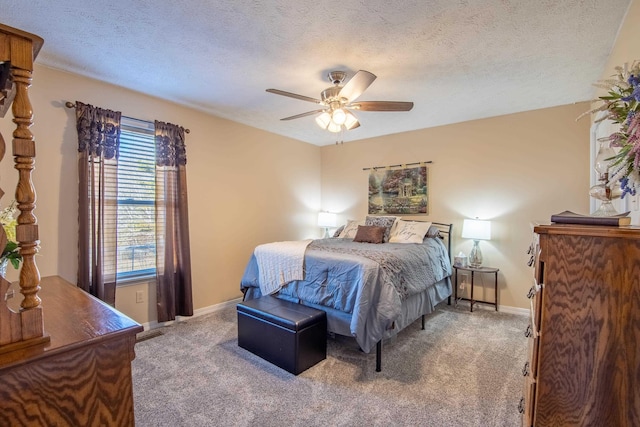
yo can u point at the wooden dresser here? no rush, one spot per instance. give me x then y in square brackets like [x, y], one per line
[583, 367]
[82, 377]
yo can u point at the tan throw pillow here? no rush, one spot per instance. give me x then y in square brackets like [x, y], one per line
[369, 234]
[349, 230]
[409, 231]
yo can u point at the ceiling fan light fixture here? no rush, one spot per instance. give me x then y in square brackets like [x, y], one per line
[323, 120]
[350, 121]
[338, 116]
[336, 102]
[333, 127]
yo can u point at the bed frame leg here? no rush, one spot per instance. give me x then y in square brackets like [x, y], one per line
[379, 356]
[423, 322]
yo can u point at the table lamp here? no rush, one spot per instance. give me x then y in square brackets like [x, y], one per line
[326, 220]
[477, 230]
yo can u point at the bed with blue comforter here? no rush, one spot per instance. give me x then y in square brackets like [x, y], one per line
[369, 291]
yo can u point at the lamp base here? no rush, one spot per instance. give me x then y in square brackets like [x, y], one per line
[606, 209]
[326, 233]
[475, 256]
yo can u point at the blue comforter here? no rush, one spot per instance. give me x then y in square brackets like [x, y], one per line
[368, 281]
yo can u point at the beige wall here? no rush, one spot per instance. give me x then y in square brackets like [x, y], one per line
[246, 186]
[627, 46]
[512, 170]
[249, 187]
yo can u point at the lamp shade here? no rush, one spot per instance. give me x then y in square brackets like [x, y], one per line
[327, 219]
[476, 229]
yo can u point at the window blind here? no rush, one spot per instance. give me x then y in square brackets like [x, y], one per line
[136, 230]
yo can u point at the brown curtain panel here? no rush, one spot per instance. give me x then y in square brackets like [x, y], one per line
[173, 255]
[98, 142]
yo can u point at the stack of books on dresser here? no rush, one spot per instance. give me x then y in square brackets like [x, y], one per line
[568, 217]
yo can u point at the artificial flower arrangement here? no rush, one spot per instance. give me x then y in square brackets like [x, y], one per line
[622, 106]
[11, 252]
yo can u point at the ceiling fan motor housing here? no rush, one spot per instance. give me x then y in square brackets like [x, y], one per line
[336, 77]
[331, 96]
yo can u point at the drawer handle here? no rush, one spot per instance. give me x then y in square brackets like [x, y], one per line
[534, 289]
[521, 405]
[531, 293]
[529, 332]
[525, 369]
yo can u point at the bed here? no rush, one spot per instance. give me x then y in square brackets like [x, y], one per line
[369, 291]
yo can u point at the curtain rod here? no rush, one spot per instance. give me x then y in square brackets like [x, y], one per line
[375, 168]
[70, 104]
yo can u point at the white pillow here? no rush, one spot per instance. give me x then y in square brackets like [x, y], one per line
[350, 230]
[409, 231]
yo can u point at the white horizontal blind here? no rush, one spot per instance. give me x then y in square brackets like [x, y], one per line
[136, 200]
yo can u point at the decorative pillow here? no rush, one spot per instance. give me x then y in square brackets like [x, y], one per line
[409, 231]
[433, 231]
[349, 231]
[369, 234]
[338, 231]
[382, 221]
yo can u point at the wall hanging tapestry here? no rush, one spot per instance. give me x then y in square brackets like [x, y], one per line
[399, 191]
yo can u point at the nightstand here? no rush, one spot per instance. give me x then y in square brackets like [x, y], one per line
[474, 271]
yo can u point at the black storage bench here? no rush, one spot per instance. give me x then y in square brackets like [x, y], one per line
[291, 336]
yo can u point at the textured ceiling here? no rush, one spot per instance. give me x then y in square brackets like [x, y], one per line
[456, 60]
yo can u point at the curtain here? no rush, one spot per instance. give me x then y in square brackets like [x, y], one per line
[173, 256]
[98, 141]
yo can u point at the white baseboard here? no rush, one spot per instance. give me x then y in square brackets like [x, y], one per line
[514, 310]
[217, 307]
[196, 313]
[213, 308]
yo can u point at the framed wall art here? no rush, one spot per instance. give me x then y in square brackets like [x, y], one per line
[399, 191]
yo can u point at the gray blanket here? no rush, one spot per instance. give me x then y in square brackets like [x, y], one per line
[368, 281]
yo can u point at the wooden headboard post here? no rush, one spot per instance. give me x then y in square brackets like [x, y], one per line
[18, 51]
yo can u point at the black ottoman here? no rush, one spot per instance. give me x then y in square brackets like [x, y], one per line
[291, 336]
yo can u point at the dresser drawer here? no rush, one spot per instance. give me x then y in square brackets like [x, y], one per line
[527, 402]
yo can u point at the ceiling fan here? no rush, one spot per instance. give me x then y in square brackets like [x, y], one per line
[337, 101]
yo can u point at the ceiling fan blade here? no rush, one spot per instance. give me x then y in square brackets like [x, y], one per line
[382, 106]
[308, 113]
[358, 84]
[294, 95]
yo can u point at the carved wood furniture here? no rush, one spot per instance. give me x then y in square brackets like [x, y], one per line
[65, 359]
[584, 359]
[83, 377]
[18, 50]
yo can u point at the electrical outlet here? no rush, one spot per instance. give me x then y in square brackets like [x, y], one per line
[139, 297]
[464, 280]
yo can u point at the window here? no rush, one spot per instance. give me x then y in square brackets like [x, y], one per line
[136, 233]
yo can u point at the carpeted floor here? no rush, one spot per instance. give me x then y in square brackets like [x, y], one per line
[463, 370]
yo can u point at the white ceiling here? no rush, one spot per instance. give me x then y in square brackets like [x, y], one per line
[457, 60]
